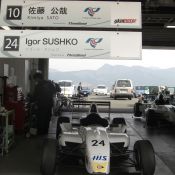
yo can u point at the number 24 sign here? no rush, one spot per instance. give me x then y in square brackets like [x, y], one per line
[11, 43]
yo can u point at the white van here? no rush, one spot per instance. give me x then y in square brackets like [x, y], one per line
[123, 88]
[67, 88]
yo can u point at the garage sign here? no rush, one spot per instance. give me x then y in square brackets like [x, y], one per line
[99, 14]
[70, 44]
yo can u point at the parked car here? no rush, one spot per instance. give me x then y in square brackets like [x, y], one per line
[161, 109]
[123, 88]
[85, 91]
[151, 90]
[101, 90]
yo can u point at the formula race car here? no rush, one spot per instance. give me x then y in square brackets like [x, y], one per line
[161, 109]
[96, 141]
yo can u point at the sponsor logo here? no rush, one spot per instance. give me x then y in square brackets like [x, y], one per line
[91, 11]
[78, 23]
[94, 41]
[76, 55]
[100, 167]
[103, 158]
[131, 21]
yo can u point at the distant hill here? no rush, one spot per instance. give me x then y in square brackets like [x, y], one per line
[108, 74]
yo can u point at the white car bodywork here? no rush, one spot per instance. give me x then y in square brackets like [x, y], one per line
[101, 90]
[154, 112]
[97, 157]
[165, 112]
[96, 141]
[122, 88]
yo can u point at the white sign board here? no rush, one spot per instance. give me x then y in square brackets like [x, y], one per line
[70, 44]
[97, 14]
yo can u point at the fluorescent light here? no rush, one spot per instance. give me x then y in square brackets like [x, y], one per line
[6, 27]
[170, 26]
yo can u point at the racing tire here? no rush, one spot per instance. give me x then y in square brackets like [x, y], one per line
[48, 161]
[150, 118]
[59, 121]
[58, 129]
[144, 157]
[137, 112]
[130, 98]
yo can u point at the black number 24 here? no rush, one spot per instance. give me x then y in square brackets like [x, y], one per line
[98, 143]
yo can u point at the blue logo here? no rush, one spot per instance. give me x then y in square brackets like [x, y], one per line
[93, 41]
[91, 11]
[103, 158]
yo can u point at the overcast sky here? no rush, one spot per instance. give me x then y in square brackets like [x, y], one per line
[150, 58]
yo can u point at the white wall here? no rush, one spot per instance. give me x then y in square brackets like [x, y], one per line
[21, 71]
[24, 68]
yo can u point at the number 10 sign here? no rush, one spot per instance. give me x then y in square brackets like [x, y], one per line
[14, 12]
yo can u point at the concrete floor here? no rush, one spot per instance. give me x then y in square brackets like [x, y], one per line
[24, 157]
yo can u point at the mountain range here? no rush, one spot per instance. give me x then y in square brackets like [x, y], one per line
[108, 74]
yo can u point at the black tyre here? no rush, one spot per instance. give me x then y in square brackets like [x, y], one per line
[48, 162]
[137, 112]
[59, 121]
[130, 98]
[58, 129]
[150, 118]
[144, 157]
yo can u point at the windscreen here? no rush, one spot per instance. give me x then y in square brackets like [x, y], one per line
[101, 87]
[85, 88]
[65, 84]
[123, 83]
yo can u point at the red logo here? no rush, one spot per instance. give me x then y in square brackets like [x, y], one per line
[125, 21]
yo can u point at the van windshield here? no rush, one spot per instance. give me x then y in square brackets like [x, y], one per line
[123, 83]
[65, 84]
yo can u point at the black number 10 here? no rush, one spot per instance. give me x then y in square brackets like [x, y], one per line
[14, 12]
